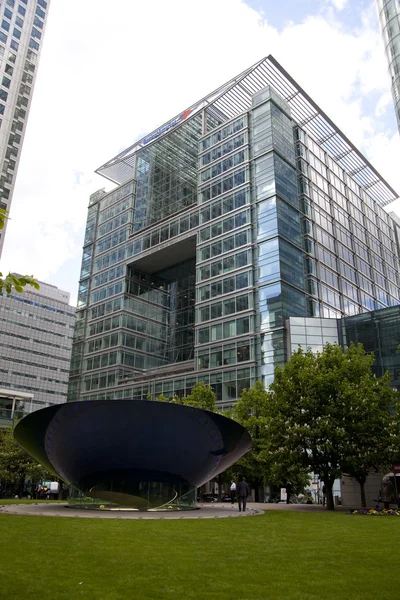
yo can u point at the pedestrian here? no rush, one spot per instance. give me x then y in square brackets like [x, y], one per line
[288, 487]
[233, 492]
[243, 491]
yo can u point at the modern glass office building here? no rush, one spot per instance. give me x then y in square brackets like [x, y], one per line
[22, 26]
[246, 209]
[389, 18]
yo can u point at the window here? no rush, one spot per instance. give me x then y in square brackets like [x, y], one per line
[3, 37]
[9, 70]
[33, 44]
[37, 22]
[14, 45]
[19, 22]
[39, 12]
[21, 10]
[3, 95]
[42, 3]
[8, 13]
[36, 33]
[5, 25]
[10, 3]
[6, 82]
[2, 107]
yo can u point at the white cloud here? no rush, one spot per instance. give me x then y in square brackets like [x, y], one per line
[117, 71]
[338, 4]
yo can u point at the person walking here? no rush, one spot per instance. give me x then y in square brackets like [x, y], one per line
[243, 491]
[288, 487]
[233, 492]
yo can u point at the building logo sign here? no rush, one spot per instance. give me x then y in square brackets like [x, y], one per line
[167, 127]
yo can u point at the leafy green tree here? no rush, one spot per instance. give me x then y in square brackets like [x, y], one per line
[13, 282]
[202, 396]
[329, 411]
[16, 465]
[251, 412]
[261, 465]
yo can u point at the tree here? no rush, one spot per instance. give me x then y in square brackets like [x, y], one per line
[261, 465]
[202, 396]
[11, 281]
[330, 411]
[16, 465]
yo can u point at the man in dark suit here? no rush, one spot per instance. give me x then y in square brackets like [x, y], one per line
[242, 491]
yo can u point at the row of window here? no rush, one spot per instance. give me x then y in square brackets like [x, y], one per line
[220, 267]
[223, 133]
[229, 146]
[227, 385]
[35, 352]
[224, 184]
[227, 285]
[114, 197]
[70, 313]
[113, 224]
[225, 308]
[228, 354]
[31, 328]
[229, 243]
[220, 331]
[46, 367]
[220, 227]
[224, 165]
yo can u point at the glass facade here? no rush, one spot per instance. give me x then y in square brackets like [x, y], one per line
[228, 225]
[389, 17]
[378, 331]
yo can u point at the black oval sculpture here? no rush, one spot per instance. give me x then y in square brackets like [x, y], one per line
[137, 453]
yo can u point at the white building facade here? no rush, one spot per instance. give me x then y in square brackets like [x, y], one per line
[22, 26]
[36, 330]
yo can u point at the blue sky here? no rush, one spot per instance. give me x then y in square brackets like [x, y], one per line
[109, 74]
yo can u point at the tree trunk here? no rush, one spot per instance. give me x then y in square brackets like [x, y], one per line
[257, 488]
[219, 487]
[330, 505]
[361, 482]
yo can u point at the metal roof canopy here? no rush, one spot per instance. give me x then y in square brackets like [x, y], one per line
[235, 97]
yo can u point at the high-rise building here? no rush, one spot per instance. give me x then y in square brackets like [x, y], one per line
[246, 209]
[389, 18]
[36, 331]
[22, 26]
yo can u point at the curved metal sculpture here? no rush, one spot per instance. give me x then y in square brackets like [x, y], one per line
[137, 453]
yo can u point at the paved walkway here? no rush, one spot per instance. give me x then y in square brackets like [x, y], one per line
[206, 511]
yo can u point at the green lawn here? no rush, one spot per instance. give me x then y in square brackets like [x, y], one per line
[280, 555]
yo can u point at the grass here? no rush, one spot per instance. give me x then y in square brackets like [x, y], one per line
[280, 555]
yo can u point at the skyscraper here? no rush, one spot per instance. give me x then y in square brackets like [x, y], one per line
[22, 26]
[389, 18]
[246, 209]
[35, 348]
